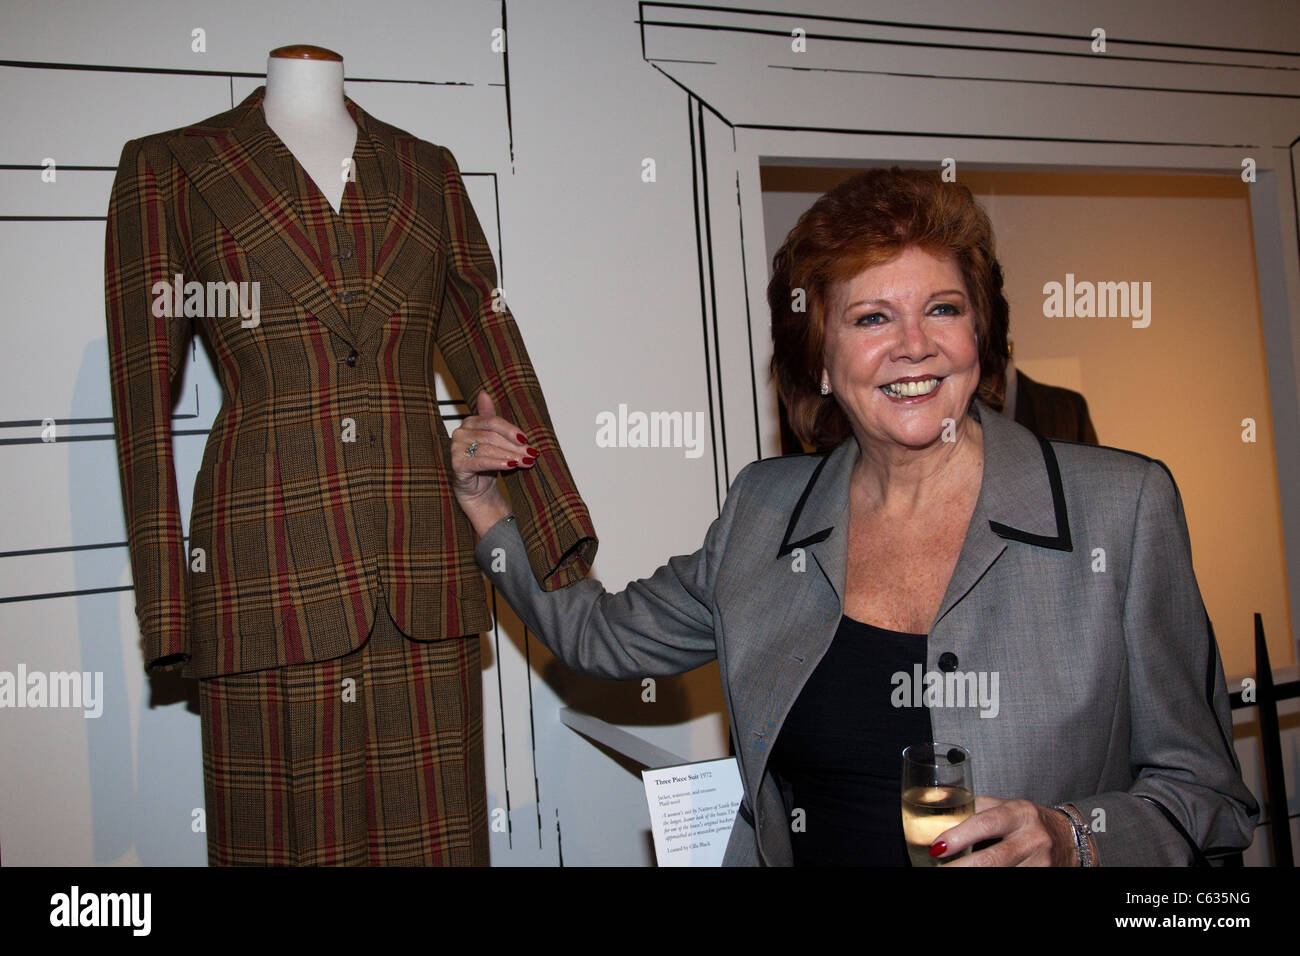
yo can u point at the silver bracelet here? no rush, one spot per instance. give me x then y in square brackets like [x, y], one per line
[1082, 833]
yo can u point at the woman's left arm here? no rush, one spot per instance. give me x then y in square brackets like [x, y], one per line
[1187, 796]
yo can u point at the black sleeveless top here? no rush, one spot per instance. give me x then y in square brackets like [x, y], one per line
[840, 749]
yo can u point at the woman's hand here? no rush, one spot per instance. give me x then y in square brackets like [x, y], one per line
[1028, 835]
[497, 446]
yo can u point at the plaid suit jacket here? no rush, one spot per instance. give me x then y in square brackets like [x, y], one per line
[326, 473]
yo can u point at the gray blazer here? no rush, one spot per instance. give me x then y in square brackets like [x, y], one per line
[1074, 586]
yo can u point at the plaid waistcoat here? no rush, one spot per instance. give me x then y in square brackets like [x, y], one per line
[326, 475]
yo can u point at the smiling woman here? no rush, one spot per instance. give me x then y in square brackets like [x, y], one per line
[900, 349]
[882, 218]
[936, 546]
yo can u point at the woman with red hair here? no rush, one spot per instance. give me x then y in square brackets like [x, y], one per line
[933, 575]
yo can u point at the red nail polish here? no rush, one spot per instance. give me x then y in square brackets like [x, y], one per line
[939, 848]
[519, 437]
[532, 452]
[528, 461]
[513, 464]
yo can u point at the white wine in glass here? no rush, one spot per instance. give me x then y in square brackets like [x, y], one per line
[938, 793]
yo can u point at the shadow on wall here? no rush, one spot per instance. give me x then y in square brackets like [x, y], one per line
[143, 798]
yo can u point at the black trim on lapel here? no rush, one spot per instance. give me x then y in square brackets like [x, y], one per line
[747, 815]
[787, 545]
[1062, 541]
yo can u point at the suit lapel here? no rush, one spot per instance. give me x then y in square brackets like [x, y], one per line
[1020, 499]
[798, 600]
[413, 225]
[234, 161]
[819, 523]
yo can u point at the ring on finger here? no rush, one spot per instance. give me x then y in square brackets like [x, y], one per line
[472, 450]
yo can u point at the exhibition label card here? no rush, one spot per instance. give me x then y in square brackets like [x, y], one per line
[692, 808]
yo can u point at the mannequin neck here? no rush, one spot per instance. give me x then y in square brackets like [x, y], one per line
[303, 105]
[304, 93]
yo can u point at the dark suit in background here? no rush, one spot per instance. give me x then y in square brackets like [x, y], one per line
[1053, 412]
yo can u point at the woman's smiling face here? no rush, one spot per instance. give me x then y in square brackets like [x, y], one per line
[901, 354]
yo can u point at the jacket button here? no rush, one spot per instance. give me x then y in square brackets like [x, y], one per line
[948, 661]
[345, 298]
[352, 359]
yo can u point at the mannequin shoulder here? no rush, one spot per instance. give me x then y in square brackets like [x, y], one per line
[161, 149]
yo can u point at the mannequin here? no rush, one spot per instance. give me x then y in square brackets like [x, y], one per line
[304, 107]
[327, 598]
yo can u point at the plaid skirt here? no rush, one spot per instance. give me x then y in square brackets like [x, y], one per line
[370, 759]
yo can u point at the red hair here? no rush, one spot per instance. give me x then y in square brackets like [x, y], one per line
[865, 221]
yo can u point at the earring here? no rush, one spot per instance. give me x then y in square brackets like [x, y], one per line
[826, 388]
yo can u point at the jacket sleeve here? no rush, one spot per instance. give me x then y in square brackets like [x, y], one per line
[145, 353]
[481, 345]
[1188, 796]
[654, 627]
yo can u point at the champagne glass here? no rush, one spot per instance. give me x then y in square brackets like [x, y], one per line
[938, 793]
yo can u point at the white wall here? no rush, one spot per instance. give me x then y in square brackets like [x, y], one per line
[626, 292]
